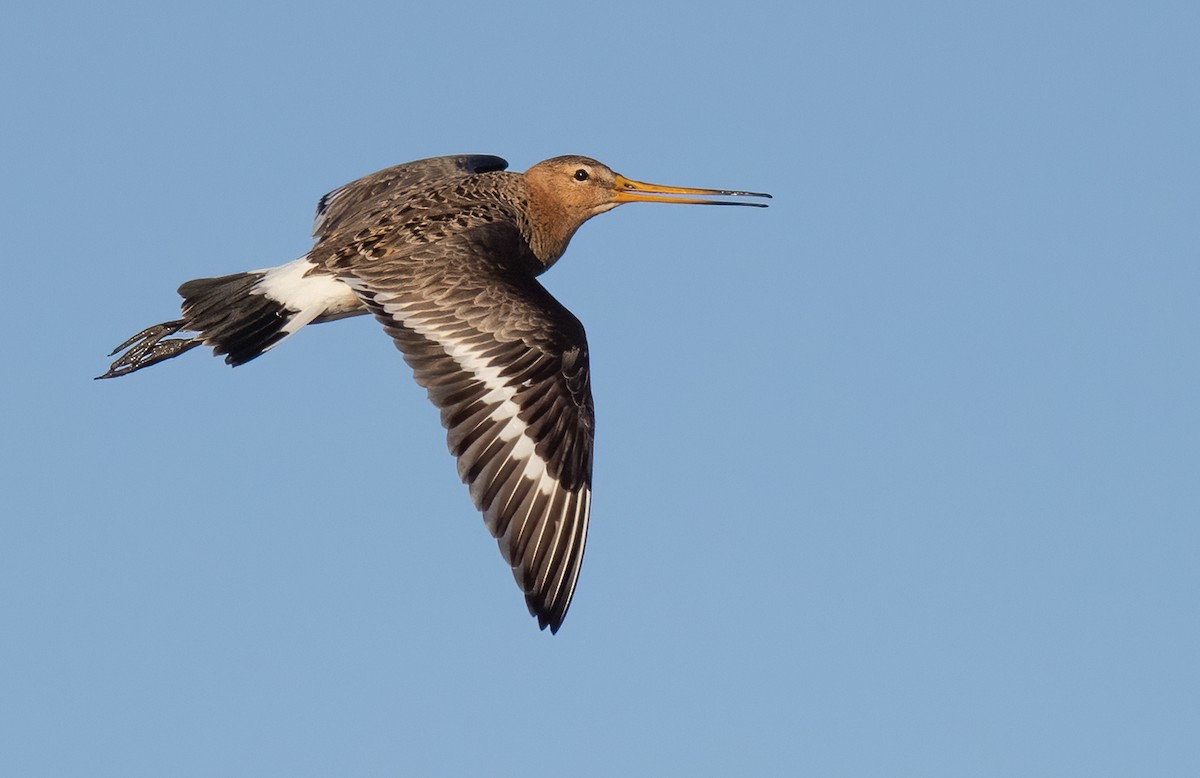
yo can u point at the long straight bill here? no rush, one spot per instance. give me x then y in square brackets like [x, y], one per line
[626, 190]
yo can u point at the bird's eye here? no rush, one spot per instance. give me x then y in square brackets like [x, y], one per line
[581, 175]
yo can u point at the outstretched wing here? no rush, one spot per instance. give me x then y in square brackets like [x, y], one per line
[508, 367]
[385, 186]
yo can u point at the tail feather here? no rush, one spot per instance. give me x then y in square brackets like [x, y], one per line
[232, 318]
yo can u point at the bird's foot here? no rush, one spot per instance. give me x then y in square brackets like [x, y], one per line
[148, 348]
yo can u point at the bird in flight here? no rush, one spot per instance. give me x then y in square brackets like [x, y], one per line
[445, 253]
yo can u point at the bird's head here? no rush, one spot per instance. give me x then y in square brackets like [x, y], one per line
[564, 192]
[581, 187]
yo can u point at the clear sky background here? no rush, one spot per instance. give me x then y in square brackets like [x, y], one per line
[898, 477]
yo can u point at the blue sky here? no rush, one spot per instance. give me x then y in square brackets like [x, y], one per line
[897, 477]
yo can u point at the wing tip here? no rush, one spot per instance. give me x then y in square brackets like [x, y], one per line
[547, 618]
